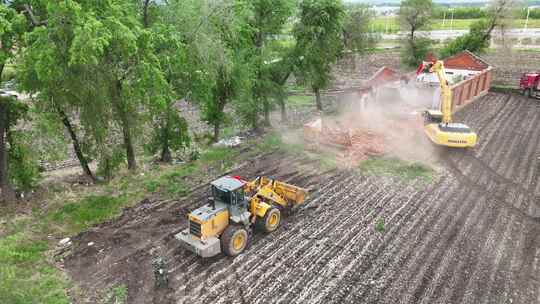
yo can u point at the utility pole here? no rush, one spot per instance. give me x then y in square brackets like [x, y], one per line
[386, 25]
[452, 20]
[444, 18]
[527, 19]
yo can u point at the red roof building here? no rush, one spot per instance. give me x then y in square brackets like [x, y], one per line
[382, 76]
[465, 61]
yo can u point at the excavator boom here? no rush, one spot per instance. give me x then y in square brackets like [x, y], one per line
[439, 127]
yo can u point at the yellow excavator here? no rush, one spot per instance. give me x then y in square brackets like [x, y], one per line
[439, 126]
[235, 207]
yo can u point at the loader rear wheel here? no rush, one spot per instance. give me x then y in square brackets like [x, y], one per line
[271, 220]
[234, 240]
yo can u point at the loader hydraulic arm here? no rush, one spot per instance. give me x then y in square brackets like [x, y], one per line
[446, 92]
[275, 191]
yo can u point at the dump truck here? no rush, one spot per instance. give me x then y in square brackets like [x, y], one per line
[235, 207]
[530, 84]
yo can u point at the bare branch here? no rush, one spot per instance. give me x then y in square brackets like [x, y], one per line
[28, 10]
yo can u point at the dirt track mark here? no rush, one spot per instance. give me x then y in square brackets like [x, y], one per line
[471, 237]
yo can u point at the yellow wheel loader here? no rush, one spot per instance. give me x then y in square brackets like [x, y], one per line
[235, 207]
[439, 126]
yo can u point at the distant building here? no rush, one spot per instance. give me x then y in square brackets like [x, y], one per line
[469, 77]
[461, 66]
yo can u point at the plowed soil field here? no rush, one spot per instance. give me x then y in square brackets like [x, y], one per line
[471, 236]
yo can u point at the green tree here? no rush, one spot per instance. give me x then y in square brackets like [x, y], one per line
[318, 41]
[356, 34]
[279, 71]
[64, 90]
[475, 41]
[170, 129]
[415, 15]
[112, 39]
[11, 27]
[269, 18]
[498, 14]
[218, 37]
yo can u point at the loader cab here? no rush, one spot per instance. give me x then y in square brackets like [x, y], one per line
[230, 191]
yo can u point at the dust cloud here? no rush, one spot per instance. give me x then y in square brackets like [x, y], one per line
[394, 113]
[391, 113]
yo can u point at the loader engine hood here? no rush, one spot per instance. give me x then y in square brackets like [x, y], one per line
[206, 212]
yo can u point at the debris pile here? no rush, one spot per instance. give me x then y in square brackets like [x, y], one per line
[354, 144]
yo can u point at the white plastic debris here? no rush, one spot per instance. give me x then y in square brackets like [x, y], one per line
[64, 242]
[230, 142]
[90, 244]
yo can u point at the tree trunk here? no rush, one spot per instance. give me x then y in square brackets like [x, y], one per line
[318, 98]
[130, 152]
[266, 108]
[8, 194]
[216, 132]
[283, 108]
[166, 154]
[126, 126]
[76, 145]
[165, 151]
[145, 12]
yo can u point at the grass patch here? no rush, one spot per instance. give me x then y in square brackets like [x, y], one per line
[397, 168]
[505, 89]
[117, 295]
[301, 100]
[24, 276]
[8, 73]
[391, 24]
[379, 225]
[89, 211]
[217, 154]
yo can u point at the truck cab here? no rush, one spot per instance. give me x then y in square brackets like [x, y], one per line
[530, 84]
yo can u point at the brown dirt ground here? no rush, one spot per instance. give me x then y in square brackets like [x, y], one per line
[473, 236]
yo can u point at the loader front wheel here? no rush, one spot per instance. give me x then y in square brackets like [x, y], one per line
[234, 240]
[271, 220]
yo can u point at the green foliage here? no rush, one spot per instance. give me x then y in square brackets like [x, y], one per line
[111, 158]
[397, 168]
[414, 51]
[169, 132]
[16, 249]
[271, 142]
[22, 166]
[23, 163]
[25, 278]
[356, 29]
[8, 73]
[12, 25]
[379, 225]
[460, 13]
[217, 154]
[89, 211]
[318, 35]
[534, 13]
[415, 15]
[118, 294]
[300, 100]
[476, 41]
